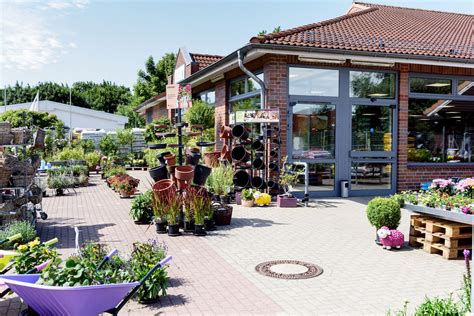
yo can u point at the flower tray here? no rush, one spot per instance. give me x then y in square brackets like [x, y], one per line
[285, 201]
[440, 213]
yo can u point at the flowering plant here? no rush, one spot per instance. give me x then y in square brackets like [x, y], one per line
[33, 254]
[467, 209]
[466, 186]
[248, 194]
[442, 185]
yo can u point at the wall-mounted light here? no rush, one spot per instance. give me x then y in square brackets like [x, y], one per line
[322, 60]
[438, 85]
[218, 78]
[371, 63]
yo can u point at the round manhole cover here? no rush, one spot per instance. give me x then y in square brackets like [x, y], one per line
[289, 269]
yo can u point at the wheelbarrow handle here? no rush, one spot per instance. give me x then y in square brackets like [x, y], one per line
[51, 242]
[155, 267]
[10, 239]
[41, 266]
[109, 256]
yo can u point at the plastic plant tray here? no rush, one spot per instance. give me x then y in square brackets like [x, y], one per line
[205, 144]
[72, 301]
[157, 146]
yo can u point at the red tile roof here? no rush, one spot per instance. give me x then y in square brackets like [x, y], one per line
[386, 29]
[205, 60]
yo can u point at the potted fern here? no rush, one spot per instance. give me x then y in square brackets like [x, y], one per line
[220, 182]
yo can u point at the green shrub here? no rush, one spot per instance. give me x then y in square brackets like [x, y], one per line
[92, 159]
[69, 153]
[150, 157]
[383, 212]
[108, 146]
[112, 171]
[220, 181]
[142, 208]
[399, 198]
[27, 231]
[200, 113]
[439, 306]
[87, 145]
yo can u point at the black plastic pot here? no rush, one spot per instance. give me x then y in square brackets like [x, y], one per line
[189, 227]
[257, 163]
[240, 154]
[59, 192]
[158, 173]
[273, 166]
[257, 145]
[209, 224]
[193, 159]
[173, 230]
[240, 131]
[199, 230]
[258, 183]
[161, 157]
[272, 184]
[161, 228]
[241, 178]
[224, 199]
[201, 173]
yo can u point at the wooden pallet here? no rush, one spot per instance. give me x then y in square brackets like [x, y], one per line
[443, 227]
[463, 241]
[438, 248]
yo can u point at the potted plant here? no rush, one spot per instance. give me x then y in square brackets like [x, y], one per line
[200, 204]
[288, 178]
[125, 189]
[174, 203]
[220, 182]
[383, 212]
[160, 207]
[142, 210]
[209, 223]
[188, 208]
[247, 197]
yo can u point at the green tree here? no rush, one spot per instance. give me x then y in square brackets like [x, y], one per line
[40, 119]
[275, 30]
[134, 119]
[200, 113]
[153, 79]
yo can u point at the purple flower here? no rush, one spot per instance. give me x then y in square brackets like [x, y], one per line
[466, 254]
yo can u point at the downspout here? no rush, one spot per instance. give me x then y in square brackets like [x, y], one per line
[263, 92]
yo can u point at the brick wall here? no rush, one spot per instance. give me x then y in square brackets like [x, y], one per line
[221, 106]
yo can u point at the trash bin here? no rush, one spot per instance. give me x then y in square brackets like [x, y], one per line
[344, 189]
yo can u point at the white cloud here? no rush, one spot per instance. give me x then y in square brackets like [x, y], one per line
[62, 5]
[27, 41]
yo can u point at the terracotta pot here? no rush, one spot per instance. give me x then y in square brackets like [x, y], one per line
[212, 159]
[247, 203]
[240, 131]
[225, 132]
[195, 150]
[185, 173]
[257, 163]
[259, 183]
[273, 166]
[241, 178]
[225, 153]
[257, 145]
[182, 184]
[170, 159]
[163, 185]
[171, 170]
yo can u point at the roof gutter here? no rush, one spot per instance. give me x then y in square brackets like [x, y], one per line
[263, 92]
[255, 49]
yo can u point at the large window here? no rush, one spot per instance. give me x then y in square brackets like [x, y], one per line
[244, 95]
[314, 129]
[314, 82]
[441, 127]
[375, 85]
[208, 96]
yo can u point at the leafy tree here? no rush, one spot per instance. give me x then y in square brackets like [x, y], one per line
[153, 79]
[200, 113]
[134, 119]
[107, 145]
[40, 119]
[275, 30]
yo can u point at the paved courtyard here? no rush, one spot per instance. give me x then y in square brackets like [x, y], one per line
[216, 274]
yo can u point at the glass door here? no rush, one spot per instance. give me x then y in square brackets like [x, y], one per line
[313, 140]
[372, 154]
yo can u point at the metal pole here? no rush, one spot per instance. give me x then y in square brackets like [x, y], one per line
[70, 115]
[5, 99]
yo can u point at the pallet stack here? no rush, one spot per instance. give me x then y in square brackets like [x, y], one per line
[438, 236]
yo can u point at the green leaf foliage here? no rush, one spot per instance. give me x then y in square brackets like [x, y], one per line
[384, 212]
[200, 113]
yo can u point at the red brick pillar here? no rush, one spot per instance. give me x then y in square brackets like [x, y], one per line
[221, 106]
[402, 155]
[276, 80]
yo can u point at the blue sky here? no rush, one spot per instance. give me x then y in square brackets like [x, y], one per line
[79, 40]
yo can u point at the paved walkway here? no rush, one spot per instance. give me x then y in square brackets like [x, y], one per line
[216, 274]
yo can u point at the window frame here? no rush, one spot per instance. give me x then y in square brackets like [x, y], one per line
[206, 92]
[452, 96]
[246, 94]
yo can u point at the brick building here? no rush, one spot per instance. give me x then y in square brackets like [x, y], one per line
[381, 96]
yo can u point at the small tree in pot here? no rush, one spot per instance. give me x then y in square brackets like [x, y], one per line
[383, 212]
[288, 178]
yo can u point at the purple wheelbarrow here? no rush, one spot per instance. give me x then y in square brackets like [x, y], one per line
[75, 301]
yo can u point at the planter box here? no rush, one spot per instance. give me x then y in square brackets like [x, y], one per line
[443, 214]
[285, 201]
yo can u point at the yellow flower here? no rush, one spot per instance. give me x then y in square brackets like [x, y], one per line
[263, 199]
[22, 247]
[33, 243]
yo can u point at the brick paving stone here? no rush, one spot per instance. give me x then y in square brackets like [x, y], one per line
[215, 275]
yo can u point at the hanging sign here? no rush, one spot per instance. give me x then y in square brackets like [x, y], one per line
[172, 96]
[257, 116]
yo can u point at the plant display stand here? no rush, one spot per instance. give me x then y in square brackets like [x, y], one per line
[443, 237]
[256, 149]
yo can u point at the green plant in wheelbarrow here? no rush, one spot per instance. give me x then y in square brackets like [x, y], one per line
[144, 256]
[383, 212]
[142, 208]
[35, 253]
